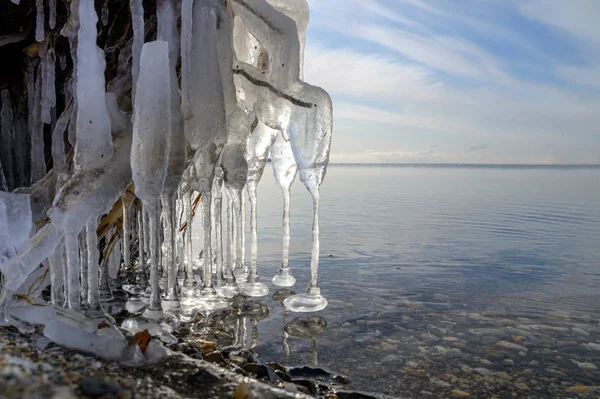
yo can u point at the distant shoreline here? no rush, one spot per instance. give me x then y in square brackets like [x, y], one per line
[473, 165]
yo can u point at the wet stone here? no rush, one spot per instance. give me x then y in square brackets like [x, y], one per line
[96, 388]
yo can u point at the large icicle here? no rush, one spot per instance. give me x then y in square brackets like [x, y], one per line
[137, 17]
[167, 31]
[206, 116]
[151, 138]
[94, 141]
[285, 171]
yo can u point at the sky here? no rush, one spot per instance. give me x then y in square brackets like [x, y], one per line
[459, 81]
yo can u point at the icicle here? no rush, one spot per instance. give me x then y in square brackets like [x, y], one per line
[104, 16]
[38, 163]
[206, 117]
[44, 67]
[84, 262]
[50, 80]
[52, 16]
[187, 240]
[284, 171]
[143, 278]
[205, 204]
[137, 17]
[94, 141]
[230, 264]
[168, 204]
[3, 184]
[39, 20]
[73, 285]
[153, 218]
[57, 261]
[93, 257]
[186, 48]
[217, 225]
[152, 133]
[7, 147]
[58, 141]
[62, 59]
[126, 235]
[243, 232]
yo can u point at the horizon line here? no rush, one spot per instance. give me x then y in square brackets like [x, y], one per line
[580, 165]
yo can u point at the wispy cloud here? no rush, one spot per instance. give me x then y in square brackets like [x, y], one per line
[448, 72]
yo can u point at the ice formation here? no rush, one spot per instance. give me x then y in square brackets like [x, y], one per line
[136, 142]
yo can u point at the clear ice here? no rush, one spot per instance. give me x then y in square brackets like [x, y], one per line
[185, 143]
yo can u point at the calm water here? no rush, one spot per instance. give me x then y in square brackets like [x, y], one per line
[414, 260]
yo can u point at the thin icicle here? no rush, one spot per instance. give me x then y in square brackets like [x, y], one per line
[137, 17]
[73, 285]
[126, 232]
[7, 148]
[186, 49]
[62, 60]
[93, 258]
[83, 258]
[58, 141]
[56, 276]
[50, 81]
[143, 277]
[39, 20]
[52, 16]
[187, 240]
[3, 185]
[38, 164]
[104, 15]
[46, 85]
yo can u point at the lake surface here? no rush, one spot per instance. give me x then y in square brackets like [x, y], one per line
[479, 279]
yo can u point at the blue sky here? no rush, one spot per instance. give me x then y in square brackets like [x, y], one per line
[484, 81]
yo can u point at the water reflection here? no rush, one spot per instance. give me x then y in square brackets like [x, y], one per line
[304, 327]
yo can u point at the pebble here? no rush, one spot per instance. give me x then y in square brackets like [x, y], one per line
[485, 361]
[451, 339]
[390, 359]
[592, 346]
[585, 365]
[442, 384]
[522, 386]
[495, 332]
[482, 371]
[508, 362]
[580, 389]
[580, 331]
[457, 393]
[454, 353]
[511, 346]
[96, 388]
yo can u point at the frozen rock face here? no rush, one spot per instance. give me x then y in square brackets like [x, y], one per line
[240, 96]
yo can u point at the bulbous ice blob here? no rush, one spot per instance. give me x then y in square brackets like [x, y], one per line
[94, 141]
[152, 122]
[202, 88]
